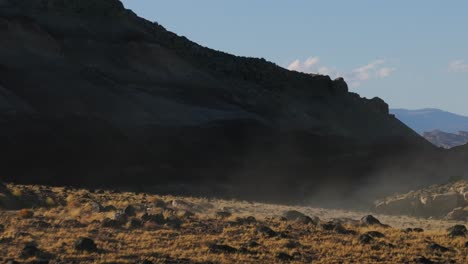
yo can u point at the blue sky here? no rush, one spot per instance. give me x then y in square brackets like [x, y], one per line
[413, 54]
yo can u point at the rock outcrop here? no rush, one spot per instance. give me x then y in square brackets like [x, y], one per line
[91, 94]
[449, 201]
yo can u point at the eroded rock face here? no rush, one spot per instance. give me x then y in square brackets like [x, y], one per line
[458, 214]
[439, 201]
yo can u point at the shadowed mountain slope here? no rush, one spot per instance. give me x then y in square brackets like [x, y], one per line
[91, 94]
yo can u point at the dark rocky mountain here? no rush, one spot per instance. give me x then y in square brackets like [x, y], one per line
[446, 140]
[425, 120]
[91, 94]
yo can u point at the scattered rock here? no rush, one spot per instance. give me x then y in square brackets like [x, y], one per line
[457, 231]
[284, 256]
[40, 224]
[265, 230]
[135, 223]
[220, 248]
[292, 244]
[466, 244]
[223, 214]
[365, 239]
[370, 220]
[110, 223]
[129, 211]
[109, 208]
[120, 217]
[159, 203]
[416, 230]
[30, 250]
[173, 222]
[94, 207]
[184, 205]
[375, 234]
[154, 218]
[245, 220]
[437, 247]
[252, 244]
[146, 262]
[85, 244]
[337, 227]
[2, 228]
[297, 216]
[72, 223]
[423, 260]
[25, 213]
[185, 214]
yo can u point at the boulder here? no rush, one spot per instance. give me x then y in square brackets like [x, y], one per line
[154, 218]
[109, 208]
[110, 223]
[266, 231]
[220, 248]
[370, 220]
[223, 214]
[437, 247]
[423, 260]
[457, 231]
[130, 211]
[121, 217]
[297, 216]
[30, 250]
[365, 239]
[375, 234]
[135, 223]
[284, 256]
[337, 227]
[85, 244]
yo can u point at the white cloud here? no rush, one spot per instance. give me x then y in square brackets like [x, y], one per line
[458, 66]
[366, 72]
[385, 72]
[311, 62]
[295, 66]
[373, 70]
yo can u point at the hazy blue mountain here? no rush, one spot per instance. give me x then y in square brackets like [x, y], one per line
[429, 119]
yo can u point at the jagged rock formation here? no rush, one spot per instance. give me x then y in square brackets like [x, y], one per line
[448, 200]
[446, 140]
[92, 94]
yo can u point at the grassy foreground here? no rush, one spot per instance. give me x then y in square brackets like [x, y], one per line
[40, 223]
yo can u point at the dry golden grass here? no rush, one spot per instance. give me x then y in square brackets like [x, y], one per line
[190, 243]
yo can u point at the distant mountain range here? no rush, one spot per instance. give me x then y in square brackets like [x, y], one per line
[441, 128]
[429, 119]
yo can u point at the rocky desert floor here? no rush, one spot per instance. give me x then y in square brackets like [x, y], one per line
[40, 224]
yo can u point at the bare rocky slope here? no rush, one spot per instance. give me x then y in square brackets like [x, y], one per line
[91, 94]
[446, 140]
